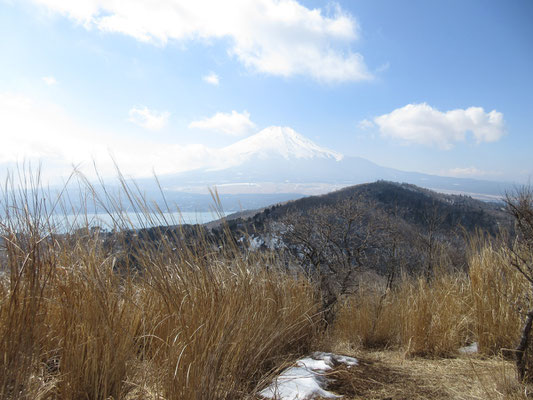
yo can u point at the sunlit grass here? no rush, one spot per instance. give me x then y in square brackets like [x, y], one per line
[79, 318]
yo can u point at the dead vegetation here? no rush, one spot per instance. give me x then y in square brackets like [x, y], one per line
[392, 375]
[79, 320]
[195, 324]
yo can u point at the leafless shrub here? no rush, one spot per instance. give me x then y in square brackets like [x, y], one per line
[520, 205]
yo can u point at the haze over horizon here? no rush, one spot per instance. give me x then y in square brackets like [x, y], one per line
[441, 88]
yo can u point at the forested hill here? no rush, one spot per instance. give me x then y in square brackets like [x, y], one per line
[377, 226]
[408, 202]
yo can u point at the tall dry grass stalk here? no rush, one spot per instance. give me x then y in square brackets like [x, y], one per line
[434, 317]
[501, 297]
[368, 318]
[425, 318]
[438, 316]
[88, 316]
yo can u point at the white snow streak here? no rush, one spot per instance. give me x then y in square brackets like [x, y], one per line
[307, 379]
[470, 349]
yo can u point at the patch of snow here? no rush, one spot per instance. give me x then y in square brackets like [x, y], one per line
[313, 364]
[307, 379]
[256, 242]
[297, 383]
[349, 361]
[272, 242]
[470, 349]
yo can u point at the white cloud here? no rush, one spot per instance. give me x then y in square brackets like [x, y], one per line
[37, 131]
[212, 79]
[383, 67]
[423, 124]
[278, 37]
[49, 80]
[149, 119]
[42, 132]
[365, 124]
[234, 123]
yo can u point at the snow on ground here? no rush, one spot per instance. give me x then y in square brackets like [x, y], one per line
[307, 379]
[473, 348]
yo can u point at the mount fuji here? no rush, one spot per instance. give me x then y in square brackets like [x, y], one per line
[278, 160]
[275, 142]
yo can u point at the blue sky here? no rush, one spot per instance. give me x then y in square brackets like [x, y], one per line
[441, 87]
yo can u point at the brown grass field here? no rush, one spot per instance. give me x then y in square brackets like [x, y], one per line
[77, 321]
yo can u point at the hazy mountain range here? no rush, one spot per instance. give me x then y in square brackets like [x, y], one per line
[279, 160]
[278, 164]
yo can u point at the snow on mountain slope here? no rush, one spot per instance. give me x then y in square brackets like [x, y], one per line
[274, 141]
[279, 160]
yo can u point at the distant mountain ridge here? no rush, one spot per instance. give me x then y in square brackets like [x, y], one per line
[401, 224]
[280, 160]
[406, 201]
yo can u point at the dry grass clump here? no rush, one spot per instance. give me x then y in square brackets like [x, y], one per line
[368, 318]
[500, 297]
[218, 337]
[434, 317]
[424, 317]
[94, 325]
[78, 320]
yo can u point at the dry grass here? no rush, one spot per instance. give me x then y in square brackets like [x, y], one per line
[389, 374]
[500, 297]
[425, 318]
[436, 317]
[77, 321]
[367, 318]
[83, 317]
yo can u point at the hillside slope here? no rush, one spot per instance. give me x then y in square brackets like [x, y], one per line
[386, 224]
[408, 202]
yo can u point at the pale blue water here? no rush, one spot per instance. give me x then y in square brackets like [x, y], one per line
[134, 220]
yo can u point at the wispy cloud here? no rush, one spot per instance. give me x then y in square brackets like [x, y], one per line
[425, 125]
[277, 37]
[49, 80]
[149, 119]
[234, 123]
[365, 124]
[212, 79]
[43, 132]
[37, 130]
[383, 67]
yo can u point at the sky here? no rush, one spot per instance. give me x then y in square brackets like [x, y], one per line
[440, 87]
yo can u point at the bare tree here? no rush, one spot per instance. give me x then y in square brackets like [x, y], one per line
[520, 205]
[333, 242]
[433, 219]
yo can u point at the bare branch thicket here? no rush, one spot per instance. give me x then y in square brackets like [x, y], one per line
[335, 242]
[519, 204]
[433, 220]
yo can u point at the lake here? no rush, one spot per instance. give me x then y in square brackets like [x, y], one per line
[135, 220]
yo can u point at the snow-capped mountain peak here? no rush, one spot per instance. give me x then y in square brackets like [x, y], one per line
[278, 141]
